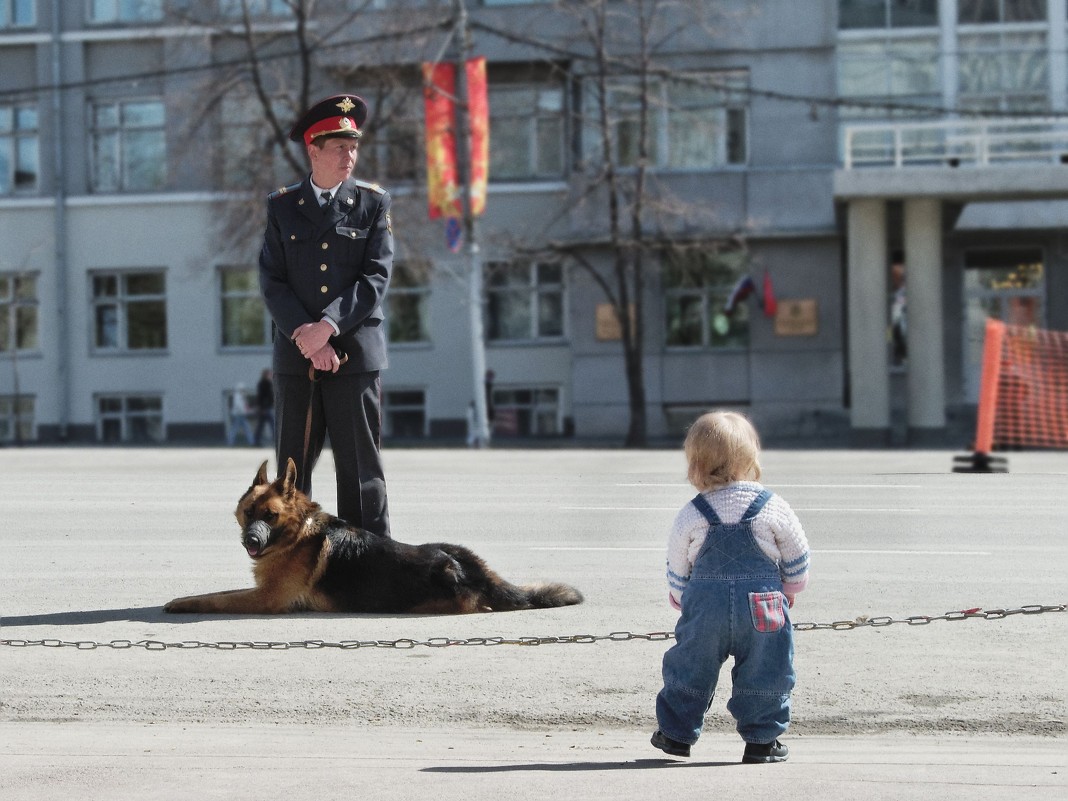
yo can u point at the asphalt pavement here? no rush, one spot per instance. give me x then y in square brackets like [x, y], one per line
[102, 695]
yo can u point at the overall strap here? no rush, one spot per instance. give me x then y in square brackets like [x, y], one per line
[756, 506]
[705, 508]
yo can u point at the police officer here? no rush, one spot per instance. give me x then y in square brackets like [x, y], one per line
[324, 270]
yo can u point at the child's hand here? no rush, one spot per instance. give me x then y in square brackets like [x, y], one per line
[789, 600]
[673, 602]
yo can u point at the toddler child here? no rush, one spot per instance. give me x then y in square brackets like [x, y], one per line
[737, 556]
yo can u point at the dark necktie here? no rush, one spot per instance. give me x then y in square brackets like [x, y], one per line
[327, 199]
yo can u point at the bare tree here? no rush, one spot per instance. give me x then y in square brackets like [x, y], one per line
[264, 71]
[635, 218]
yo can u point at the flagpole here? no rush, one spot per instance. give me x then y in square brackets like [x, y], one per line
[462, 35]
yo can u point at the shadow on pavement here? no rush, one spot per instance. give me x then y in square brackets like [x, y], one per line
[637, 764]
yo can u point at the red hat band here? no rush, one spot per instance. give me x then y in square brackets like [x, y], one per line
[343, 126]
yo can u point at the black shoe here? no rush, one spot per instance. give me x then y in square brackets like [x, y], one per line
[669, 746]
[762, 753]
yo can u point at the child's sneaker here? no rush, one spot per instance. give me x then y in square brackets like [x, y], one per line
[762, 753]
[669, 746]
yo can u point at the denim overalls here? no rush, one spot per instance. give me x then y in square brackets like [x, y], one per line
[732, 606]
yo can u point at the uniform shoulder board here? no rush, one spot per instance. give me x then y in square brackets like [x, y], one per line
[378, 190]
[283, 190]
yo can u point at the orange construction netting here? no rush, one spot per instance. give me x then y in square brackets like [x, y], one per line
[1023, 393]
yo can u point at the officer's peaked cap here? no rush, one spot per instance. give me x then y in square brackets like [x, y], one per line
[340, 115]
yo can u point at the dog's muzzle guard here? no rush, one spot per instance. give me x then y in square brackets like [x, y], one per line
[255, 538]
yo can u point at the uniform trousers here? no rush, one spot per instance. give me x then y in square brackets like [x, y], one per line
[347, 407]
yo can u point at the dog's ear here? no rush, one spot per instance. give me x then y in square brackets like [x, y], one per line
[261, 476]
[289, 481]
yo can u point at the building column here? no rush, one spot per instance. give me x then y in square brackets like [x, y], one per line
[923, 295]
[868, 314]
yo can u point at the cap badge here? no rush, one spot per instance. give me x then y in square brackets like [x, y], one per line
[346, 105]
[345, 123]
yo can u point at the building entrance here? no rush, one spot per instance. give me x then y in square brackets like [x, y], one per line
[1006, 284]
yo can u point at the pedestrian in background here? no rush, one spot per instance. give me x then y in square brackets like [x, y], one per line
[238, 417]
[737, 556]
[264, 406]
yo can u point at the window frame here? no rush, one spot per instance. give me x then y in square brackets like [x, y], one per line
[888, 15]
[261, 9]
[119, 14]
[534, 292]
[122, 147]
[121, 300]
[16, 424]
[391, 407]
[506, 414]
[252, 292]
[125, 416]
[699, 281]
[410, 283]
[22, 141]
[15, 307]
[728, 104]
[13, 19]
[531, 122]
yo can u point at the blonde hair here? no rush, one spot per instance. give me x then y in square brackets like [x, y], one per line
[721, 447]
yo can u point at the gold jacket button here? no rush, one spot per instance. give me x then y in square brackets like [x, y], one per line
[322, 267]
[323, 289]
[326, 245]
[292, 236]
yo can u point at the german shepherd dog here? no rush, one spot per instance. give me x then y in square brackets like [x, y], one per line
[305, 560]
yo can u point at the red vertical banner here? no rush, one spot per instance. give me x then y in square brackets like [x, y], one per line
[478, 120]
[442, 186]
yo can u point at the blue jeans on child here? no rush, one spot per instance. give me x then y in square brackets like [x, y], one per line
[732, 606]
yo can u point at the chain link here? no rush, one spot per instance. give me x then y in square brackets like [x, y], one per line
[406, 644]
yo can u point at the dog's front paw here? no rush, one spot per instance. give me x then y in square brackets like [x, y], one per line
[180, 605]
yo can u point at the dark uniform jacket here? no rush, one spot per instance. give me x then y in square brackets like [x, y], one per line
[318, 262]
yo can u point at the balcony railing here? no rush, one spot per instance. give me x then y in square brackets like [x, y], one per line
[956, 143]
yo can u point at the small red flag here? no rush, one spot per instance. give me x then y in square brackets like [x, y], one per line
[770, 304]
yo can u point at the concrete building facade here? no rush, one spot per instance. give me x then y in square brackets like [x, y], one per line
[876, 161]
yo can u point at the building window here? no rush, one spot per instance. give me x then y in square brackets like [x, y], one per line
[698, 287]
[526, 412]
[408, 300]
[129, 418]
[524, 301]
[16, 418]
[1004, 71]
[235, 9]
[527, 132]
[404, 413]
[129, 311]
[394, 149]
[901, 70]
[18, 313]
[971, 12]
[887, 13]
[128, 146]
[19, 149]
[104, 11]
[251, 158]
[695, 121]
[17, 14]
[245, 322]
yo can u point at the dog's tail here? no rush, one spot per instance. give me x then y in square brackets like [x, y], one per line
[546, 596]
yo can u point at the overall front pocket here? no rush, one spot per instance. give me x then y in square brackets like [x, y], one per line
[767, 611]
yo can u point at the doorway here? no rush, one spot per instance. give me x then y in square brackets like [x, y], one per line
[1007, 284]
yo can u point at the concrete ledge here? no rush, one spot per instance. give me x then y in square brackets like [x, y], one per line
[1018, 182]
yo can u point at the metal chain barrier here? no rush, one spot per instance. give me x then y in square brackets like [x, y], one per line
[580, 639]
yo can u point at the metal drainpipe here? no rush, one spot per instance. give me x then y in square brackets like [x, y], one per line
[60, 228]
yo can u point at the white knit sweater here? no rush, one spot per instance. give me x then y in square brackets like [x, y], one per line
[776, 529]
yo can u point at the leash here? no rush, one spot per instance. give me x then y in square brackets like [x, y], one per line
[314, 376]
